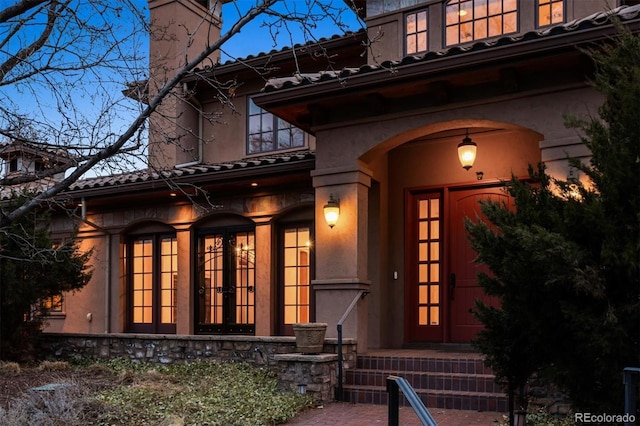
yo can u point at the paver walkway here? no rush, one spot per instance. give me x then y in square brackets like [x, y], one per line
[344, 413]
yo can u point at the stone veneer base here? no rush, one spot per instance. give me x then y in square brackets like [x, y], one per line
[317, 371]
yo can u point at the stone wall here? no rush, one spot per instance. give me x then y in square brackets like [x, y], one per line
[317, 372]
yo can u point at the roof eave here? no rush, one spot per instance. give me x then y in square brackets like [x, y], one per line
[571, 40]
[218, 177]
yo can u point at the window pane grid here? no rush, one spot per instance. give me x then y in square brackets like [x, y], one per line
[211, 285]
[142, 281]
[297, 278]
[245, 277]
[153, 277]
[269, 133]
[428, 231]
[550, 12]
[469, 20]
[416, 32]
[168, 280]
[226, 291]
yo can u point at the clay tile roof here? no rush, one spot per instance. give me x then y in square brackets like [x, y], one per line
[296, 46]
[203, 169]
[623, 13]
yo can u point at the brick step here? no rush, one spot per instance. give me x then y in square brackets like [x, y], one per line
[451, 400]
[427, 380]
[424, 364]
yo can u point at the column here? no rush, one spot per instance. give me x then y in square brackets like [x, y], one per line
[264, 293]
[185, 303]
[342, 251]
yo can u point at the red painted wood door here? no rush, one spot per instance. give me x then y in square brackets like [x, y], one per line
[462, 284]
[424, 311]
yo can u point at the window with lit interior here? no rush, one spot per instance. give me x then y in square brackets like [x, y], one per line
[52, 305]
[469, 20]
[268, 133]
[416, 32]
[296, 283]
[550, 12]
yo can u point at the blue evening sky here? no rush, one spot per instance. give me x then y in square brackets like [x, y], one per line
[331, 17]
[256, 37]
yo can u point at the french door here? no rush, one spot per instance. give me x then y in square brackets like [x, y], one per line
[295, 271]
[225, 281]
[152, 276]
[441, 287]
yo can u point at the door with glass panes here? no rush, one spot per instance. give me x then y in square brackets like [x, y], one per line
[225, 281]
[441, 287]
[295, 274]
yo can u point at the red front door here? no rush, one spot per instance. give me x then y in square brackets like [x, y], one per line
[441, 287]
[463, 287]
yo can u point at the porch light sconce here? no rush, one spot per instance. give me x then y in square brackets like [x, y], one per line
[332, 211]
[467, 152]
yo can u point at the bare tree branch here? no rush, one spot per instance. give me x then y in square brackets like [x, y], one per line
[19, 9]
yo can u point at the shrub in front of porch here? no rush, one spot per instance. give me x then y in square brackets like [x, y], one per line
[566, 263]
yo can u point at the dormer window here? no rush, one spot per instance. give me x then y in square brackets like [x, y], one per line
[13, 165]
[469, 20]
[550, 12]
[416, 32]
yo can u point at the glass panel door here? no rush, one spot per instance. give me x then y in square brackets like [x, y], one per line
[226, 282]
[423, 288]
[152, 281]
[295, 277]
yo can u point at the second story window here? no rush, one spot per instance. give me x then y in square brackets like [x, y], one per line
[416, 32]
[469, 20]
[268, 133]
[550, 12]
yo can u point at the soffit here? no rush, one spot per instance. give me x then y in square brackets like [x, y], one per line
[541, 60]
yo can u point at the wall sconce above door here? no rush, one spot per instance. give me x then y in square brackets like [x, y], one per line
[332, 211]
[467, 152]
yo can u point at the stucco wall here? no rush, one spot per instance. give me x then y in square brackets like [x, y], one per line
[419, 149]
[104, 298]
[386, 24]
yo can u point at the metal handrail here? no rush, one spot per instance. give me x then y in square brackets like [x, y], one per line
[630, 377]
[361, 294]
[395, 384]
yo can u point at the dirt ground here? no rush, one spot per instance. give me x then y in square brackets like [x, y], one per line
[14, 384]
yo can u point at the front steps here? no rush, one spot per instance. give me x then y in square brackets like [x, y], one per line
[450, 380]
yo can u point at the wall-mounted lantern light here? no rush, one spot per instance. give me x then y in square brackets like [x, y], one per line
[332, 211]
[467, 152]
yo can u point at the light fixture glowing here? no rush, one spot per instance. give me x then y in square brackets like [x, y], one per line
[254, 184]
[332, 211]
[462, 12]
[467, 152]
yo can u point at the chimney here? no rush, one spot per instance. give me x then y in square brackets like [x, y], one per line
[180, 30]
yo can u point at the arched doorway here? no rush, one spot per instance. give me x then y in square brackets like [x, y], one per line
[430, 298]
[225, 276]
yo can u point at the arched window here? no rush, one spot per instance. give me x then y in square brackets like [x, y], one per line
[469, 20]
